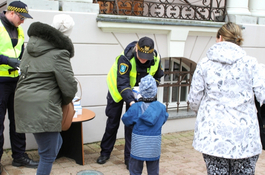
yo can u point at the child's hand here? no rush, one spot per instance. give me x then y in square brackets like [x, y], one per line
[132, 102]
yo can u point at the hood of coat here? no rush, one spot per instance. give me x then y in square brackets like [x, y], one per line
[225, 52]
[151, 113]
[129, 47]
[44, 37]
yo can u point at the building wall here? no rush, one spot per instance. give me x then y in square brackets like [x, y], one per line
[96, 50]
[254, 43]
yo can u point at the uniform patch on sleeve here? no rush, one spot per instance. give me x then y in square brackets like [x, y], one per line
[123, 68]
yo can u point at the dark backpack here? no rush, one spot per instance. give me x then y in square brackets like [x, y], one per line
[261, 118]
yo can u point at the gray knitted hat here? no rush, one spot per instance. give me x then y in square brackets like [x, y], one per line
[148, 87]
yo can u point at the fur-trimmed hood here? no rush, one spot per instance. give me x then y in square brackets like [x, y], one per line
[44, 37]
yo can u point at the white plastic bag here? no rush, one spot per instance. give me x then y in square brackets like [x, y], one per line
[136, 93]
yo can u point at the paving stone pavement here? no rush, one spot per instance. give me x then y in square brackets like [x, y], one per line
[177, 158]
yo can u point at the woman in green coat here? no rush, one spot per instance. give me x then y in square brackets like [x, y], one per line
[46, 83]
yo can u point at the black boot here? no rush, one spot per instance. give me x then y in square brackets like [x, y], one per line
[25, 161]
[102, 159]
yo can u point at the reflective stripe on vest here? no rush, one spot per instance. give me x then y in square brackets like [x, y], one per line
[112, 76]
[7, 49]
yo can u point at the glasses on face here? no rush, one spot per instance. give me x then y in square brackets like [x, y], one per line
[22, 18]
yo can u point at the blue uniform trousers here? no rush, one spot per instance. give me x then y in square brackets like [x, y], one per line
[17, 140]
[113, 111]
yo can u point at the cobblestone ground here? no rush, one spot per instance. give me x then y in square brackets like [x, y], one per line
[177, 158]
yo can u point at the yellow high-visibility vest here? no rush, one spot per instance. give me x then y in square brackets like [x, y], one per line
[7, 49]
[112, 76]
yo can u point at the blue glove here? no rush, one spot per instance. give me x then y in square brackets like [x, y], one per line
[13, 62]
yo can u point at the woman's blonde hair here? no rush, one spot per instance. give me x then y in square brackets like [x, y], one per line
[231, 32]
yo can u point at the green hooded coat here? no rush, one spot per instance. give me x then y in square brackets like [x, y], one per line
[46, 81]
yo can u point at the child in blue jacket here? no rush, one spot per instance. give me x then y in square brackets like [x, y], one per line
[147, 116]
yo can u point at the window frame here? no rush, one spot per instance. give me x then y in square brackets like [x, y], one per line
[173, 104]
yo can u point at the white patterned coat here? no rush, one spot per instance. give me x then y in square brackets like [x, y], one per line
[222, 93]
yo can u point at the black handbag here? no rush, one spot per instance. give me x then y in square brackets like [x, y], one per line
[261, 118]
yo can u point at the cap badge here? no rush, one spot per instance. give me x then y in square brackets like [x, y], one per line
[145, 49]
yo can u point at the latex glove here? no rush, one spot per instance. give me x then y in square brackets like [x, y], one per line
[13, 62]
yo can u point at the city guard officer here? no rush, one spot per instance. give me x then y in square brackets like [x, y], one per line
[11, 50]
[136, 61]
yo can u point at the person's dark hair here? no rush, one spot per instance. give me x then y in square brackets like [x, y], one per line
[231, 32]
